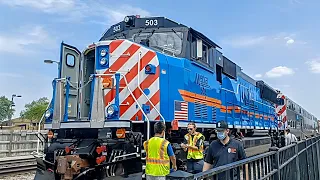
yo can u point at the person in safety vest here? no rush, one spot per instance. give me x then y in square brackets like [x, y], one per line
[159, 152]
[193, 143]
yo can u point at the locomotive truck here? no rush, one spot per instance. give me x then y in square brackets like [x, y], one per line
[143, 70]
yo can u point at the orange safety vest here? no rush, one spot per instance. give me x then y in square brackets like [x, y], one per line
[192, 153]
[157, 158]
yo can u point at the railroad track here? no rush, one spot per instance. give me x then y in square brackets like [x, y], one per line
[17, 165]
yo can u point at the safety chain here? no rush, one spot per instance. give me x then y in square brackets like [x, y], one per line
[75, 87]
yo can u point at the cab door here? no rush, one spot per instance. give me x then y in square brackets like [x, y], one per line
[70, 69]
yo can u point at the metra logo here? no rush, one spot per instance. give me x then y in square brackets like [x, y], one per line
[202, 81]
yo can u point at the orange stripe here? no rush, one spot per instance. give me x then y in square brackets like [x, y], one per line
[154, 99]
[185, 93]
[114, 45]
[131, 74]
[137, 93]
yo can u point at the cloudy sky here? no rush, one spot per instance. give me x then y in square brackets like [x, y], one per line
[276, 41]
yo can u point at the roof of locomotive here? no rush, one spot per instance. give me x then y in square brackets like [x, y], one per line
[157, 22]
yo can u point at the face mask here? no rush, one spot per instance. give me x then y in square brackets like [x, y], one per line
[221, 135]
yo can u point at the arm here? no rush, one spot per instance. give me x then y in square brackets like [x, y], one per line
[184, 144]
[242, 153]
[206, 166]
[172, 157]
[208, 160]
[198, 144]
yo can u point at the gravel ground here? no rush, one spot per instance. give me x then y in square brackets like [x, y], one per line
[21, 176]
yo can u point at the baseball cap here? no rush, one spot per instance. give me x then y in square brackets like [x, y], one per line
[222, 125]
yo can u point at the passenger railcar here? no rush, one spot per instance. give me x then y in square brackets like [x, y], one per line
[296, 118]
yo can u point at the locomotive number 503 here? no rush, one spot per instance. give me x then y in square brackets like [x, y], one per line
[151, 22]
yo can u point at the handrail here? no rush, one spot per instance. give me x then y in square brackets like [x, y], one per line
[148, 121]
[164, 121]
[39, 127]
[131, 93]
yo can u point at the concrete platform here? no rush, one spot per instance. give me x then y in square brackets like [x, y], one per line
[255, 141]
[257, 150]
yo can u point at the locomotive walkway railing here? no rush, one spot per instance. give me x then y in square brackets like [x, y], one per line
[298, 161]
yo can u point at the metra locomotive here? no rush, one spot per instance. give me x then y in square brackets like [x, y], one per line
[143, 70]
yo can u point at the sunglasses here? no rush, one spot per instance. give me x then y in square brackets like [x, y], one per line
[190, 129]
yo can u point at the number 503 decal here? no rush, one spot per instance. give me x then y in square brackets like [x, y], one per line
[151, 22]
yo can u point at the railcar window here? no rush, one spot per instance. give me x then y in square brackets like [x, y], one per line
[70, 60]
[168, 42]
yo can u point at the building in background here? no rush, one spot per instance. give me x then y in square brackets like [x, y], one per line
[20, 124]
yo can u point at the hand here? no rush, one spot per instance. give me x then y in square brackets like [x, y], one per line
[175, 168]
[183, 145]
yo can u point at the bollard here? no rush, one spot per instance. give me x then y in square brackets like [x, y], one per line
[181, 175]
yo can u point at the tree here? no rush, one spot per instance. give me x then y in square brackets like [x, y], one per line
[5, 108]
[35, 109]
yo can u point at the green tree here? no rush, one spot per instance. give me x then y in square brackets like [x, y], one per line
[35, 109]
[5, 110]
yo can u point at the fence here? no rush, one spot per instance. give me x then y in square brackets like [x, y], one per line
[18, 142]
[299, 161]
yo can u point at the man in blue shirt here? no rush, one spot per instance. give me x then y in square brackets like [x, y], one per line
[224, 150]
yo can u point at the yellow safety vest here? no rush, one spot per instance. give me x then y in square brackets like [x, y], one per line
[192, 153]
[157, 158]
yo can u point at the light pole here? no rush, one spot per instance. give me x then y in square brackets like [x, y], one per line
[12, 103]
[48, 61]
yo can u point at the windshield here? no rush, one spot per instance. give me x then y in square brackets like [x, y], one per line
[167, 42]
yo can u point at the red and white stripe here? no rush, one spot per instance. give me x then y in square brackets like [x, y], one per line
[282, 112]
[128, 65]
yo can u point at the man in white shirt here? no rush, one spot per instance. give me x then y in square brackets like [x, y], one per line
[289, 137]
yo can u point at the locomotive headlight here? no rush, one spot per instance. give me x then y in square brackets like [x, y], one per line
[126, 19]
[103, 61]
[112, 110]
[47, 113]
[103, 52]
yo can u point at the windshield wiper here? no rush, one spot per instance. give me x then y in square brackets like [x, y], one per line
[176, 34]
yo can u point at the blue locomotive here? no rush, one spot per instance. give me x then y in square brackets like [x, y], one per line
[144, 70]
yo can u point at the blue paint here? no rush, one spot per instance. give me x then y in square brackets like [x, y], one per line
[54, 82]
[164, 87]
[146, 110]
[146, 91]
[150, 69]
[117, 103]
[99, 57]
[65, 117]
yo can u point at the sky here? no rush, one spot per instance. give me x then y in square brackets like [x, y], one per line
[274, 41]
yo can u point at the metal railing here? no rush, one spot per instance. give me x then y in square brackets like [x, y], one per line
[298, 161]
